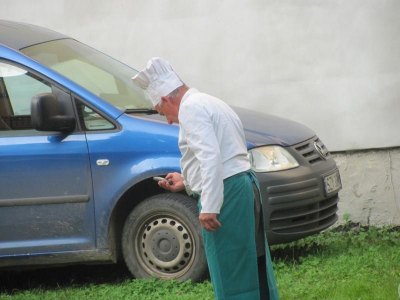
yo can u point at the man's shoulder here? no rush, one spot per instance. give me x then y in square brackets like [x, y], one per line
[196, 100]
[199, 95]
[202, 99]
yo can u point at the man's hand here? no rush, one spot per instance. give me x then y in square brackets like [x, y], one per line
[209, 221]
[175, 182]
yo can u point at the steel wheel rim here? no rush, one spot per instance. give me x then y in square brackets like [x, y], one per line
[165, 246]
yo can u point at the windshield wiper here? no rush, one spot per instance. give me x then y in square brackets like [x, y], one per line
[147, 111]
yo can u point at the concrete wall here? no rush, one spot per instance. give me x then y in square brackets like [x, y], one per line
[371, 186]
[332, 65]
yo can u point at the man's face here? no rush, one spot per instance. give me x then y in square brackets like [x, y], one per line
[168, 108]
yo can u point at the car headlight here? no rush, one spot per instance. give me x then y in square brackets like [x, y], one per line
[270, 159]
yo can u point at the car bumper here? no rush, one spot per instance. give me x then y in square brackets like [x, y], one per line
[295, 203]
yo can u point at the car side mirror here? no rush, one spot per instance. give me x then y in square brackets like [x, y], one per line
[45, 114]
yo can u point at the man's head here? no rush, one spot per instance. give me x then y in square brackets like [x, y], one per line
[164, 87]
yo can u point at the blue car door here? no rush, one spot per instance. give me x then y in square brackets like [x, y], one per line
[46, 203]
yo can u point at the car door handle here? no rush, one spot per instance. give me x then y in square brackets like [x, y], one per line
[102, 162]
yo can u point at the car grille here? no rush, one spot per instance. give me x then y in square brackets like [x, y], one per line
[309, 152]
[305, 212]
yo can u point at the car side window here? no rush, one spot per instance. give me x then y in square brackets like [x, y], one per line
[17, 87]
[90, 120]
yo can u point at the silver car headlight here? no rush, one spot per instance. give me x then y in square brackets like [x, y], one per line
[271, 158]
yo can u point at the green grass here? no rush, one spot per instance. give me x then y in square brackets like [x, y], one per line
[350, 263]
[130, 289]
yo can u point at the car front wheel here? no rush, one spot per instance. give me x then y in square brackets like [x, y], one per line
[162, 238]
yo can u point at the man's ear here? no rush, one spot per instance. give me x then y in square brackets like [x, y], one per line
[165, 99]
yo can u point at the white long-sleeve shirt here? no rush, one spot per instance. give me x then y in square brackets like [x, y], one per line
[213, 146]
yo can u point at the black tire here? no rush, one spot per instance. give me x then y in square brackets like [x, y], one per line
[162, 238]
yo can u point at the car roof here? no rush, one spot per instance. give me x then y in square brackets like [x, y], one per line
[18, 35]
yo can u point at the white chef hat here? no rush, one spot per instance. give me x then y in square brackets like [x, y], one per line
[157, 79]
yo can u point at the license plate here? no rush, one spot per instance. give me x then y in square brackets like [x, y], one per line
[332, 182]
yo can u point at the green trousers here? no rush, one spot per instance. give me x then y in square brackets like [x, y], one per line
[231, 249]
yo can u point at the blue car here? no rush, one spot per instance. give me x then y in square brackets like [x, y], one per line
[80, 145]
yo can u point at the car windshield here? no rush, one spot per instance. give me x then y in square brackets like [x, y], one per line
[100, 74]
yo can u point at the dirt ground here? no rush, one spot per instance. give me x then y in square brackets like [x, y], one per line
[51, 278]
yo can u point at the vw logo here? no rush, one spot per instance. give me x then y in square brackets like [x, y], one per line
[320, 151]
